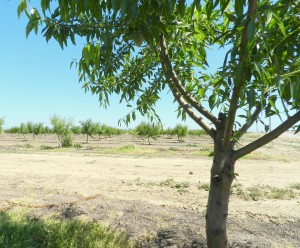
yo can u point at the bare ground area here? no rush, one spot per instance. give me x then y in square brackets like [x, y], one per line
[156, 194]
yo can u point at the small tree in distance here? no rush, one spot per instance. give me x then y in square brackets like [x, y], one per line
[88, 128]
[136, 49]
[148, 130]
[62, 128]
[23, 129]
[181, 132]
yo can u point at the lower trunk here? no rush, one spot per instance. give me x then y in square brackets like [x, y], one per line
[222, 175]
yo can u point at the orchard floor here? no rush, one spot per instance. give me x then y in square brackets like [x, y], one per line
[157, 194]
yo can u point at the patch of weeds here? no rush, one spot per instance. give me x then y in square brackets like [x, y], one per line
[46, 147]
[238, 190]
[19, 229]
[169, 182]
[191, 145]
[204, 186]
[127, 147]
[174, 149]
[147, 236]
[77, 146]
[257, 156]
[295, 186]
[211, 154]
[25, 146]
[145, 184]
[182, 187]
[282, 194]
[255, 193]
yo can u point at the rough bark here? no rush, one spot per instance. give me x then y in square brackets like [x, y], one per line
[222, 175]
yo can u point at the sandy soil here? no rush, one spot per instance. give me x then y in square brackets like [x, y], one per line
[158, 200]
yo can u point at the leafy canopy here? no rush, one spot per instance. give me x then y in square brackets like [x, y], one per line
[137, 48]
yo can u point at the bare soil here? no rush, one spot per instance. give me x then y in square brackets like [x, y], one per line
[156, 194]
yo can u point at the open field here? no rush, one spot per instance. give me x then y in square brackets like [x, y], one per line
[156, 194]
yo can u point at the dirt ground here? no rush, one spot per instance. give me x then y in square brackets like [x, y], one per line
[157, 194]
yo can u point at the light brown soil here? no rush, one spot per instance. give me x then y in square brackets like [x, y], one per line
[153, 193]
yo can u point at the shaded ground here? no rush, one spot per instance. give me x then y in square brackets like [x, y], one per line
[157, 194]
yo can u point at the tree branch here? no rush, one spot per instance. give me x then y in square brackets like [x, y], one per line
[247, 125]
[176, 82]
[207, 128]
[268, 137]
[241, 81]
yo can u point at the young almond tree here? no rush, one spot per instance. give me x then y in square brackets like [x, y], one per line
[148, 130]
[23, 129]
[62, 128]
[137, 48]
[88, 128]
[181, 131]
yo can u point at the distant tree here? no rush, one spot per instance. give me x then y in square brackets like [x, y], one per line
[1, 124]
[76, 130]
[88, 128]
[23, 129]
[148, 130]
[47, 130]
[197, 132]
[12, 130]
[181, 131]
[62, 128]
[38, 128]
[169, 132]
[29, 125]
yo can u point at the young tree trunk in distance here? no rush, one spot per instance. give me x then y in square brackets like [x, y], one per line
[222, 175]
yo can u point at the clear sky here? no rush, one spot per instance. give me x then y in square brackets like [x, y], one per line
[36, 80]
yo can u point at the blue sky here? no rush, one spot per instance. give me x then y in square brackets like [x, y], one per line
[36, 80]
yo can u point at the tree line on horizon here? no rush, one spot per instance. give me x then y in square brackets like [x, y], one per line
[66, 130]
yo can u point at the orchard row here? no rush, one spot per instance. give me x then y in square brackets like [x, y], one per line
[65, 130]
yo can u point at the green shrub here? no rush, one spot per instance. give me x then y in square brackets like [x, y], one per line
[77, 146]
[67, 140]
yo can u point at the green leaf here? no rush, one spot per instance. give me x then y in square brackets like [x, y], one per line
[251, 29]
[251, 97]
[238, 7]
[201, 92]
[45, 5]
[22, 6]
[280, 24]
[273, 105]
[171, 4]
[269, 17]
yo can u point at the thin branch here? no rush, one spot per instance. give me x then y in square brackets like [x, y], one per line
[268, 137]
[248, 124]
[176, 82]
[208, 129]
[239, 84]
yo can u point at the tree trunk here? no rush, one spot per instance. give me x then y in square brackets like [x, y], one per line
[222, 175]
